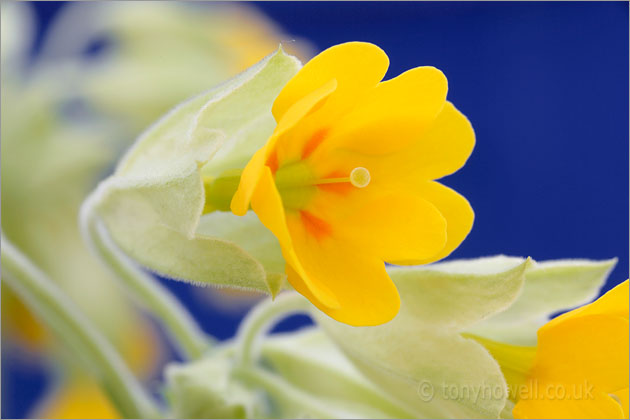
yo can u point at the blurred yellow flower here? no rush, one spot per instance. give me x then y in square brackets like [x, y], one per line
[19, 324]
[345, 181]
[75, 399]
[581, 364]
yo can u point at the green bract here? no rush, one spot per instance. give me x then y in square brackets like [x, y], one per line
[152, 205]
[550, 287]
[420, 357]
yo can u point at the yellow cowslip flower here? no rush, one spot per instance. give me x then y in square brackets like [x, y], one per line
[345, 182]
[76, 398]
[581, 365]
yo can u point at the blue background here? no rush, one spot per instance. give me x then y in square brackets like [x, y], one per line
[545, 86]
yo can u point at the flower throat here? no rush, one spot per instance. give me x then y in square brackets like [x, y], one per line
[295, 182]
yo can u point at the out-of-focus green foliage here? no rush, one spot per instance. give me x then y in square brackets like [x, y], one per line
[68, 111]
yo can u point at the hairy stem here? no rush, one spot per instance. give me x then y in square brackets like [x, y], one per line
[260, 319]
[59, 313]
[181, 326]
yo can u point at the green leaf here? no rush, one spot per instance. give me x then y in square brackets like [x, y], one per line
[152, 205]
[550, 287]
[420, 358]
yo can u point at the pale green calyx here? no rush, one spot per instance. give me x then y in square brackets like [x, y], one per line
[153, 204]
[432, 359]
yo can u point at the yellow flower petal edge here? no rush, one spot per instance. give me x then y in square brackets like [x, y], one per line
[346, 181]
[581, 364]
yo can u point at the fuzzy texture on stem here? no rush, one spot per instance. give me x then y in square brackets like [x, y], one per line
[181, 326]
[58, 313]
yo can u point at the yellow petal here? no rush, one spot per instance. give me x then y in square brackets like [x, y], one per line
[310, 102]
[592, 348]
[455, 209]
[357, 67]
[614, 302]
[291, 143]
[267, 204]
[624, 400]
[249, 180]
[253, 171]
[441, 150]
[584, 349]
[366, 294]
[393, 115]
[446, 146]
[596, 406]
[393, 226]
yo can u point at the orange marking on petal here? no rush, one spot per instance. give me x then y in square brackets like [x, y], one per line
[315, 226]
[342, 188]
[272, 161]
[314, 142]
